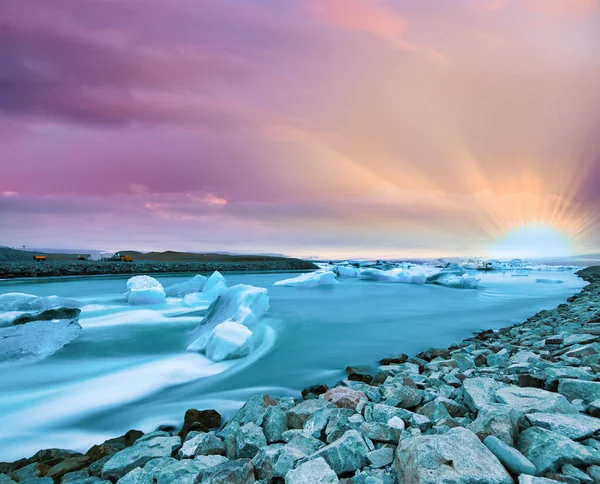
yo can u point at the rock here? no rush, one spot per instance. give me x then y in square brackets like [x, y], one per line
[304, 443]
[528, 400]
[515, 462]
[501, 421]
[314, 390]
[346, 454]
[249, 440]
[69, 464]
[316, 423]
[156, 466]
[128, 439]
[380, 457]
[455, 457]
[548, 451]
[464, 361]
[30, 471]
[570, 470]
[588, 391]
[344, 397]
[76, 476]
[254, 410]
[380, 432]
[275, 424]
[498, 359]
[526, 479]
[315, 471]
[144, 450]
[434, 410]
[136, 476]
[405, 395]
[238, 471]
[594, 408]
[298, 415]
[276, 461]
[199, 420]
[359, 373]
[204, 443]
[593, 472]
[5, 479]
[338, 424]
[186, 471]
[480, 391]
[575, 426]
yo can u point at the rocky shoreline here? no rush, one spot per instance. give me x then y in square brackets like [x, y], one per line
[517, 405]
[9, 270]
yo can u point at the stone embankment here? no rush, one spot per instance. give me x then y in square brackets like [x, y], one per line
[10, 269]
[517, 405]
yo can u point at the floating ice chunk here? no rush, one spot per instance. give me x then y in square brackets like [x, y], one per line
[215, 286]
[17, 301]
[195, 284]
[450, 279]
[227, 341]
[241, 304]
[549, 281]
[378, 275]
[310, 279]
[144, 290]
[345, 271]
[196, 299]
[37, 339]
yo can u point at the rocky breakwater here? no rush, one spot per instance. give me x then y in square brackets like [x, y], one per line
[517, 405]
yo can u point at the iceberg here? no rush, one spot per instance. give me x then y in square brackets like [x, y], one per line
[195, 284]
[36, 339]
[21, 302]
[345, 271]
[212, 289]
[241, 304]
[452, 279]
[227, 341]
[145, 290]
[310, 279]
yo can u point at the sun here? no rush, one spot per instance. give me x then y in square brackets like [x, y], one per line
[532, 240]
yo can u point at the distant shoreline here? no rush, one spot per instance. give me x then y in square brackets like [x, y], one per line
[31, 269]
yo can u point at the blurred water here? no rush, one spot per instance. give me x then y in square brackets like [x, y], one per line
[129, 368]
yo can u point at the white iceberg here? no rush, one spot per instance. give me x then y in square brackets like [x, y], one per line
[458, 281]
[21, 302]
[37, 339]
[403, 274]
[195, 284]
[345, 271]
[378, 275]
[241, 304]
[227, 341]
[310, 279]
[145, 290]
[212, 289]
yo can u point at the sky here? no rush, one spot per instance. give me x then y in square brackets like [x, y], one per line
[330, 128]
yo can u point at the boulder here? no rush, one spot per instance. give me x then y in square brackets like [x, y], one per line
[275, 424]
[344, 397]
[145, 449]
[381, 457]
[588, 391]
[249, 440]
[315, 471]
[455, 457]
[515, 462]
[186, 471]
[200, 421]
[480, 391]
[501, 421]
[576, 426]
[346, 454]
[136, 476]
[528, 400]
[204, 443]
[276, 461]
[298, 415]
[254, 410]
[549, 451]
[239, 471]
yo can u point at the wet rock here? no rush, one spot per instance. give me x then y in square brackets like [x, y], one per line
[275, 424]
[69, 464]
[570, 470]
[298, 415]
[381, 457]
[346, 454]
[142, 451]
[344, 397]
[249, 440]
[394, 360]
[315, 471]
[128, 439]
[276, 460]
[314, 391]
[156, 466]
[254, 410]
[501, 421]
[30, 471]
[359, 373]
[526, 479]
[588, 391]
[480, 391]
[238, 471]
[136, 476]
[204, 443]
[455, 457]
[549, 451]
[199, 421]
[575, 426]
[316, 423]
[186, 471]
[528, 400]
[515, 462]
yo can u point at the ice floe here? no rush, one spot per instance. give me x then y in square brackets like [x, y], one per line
[310, 279]
[195, 284]
[145, 290]
[227, 341]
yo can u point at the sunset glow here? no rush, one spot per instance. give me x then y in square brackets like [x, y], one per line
[336, 128]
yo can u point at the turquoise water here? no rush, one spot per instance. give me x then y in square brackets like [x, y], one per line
[129, 369]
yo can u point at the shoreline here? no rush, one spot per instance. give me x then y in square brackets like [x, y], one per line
[32, 270]
[522, 388]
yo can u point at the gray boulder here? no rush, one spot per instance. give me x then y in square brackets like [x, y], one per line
[238, 471]
[346, 454]
[588, 391]
[501, 421]
[548, 451]
[576, 426]
[381, 457]
[298, 415]
[144, 450]
[186, 470]
[249, 440]
[528, 400]
[315, 471]
[511, 458]
[452, 458]
[480, 391]
[203, 443]
[276, 460]
[136, 476]
[275, 424]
